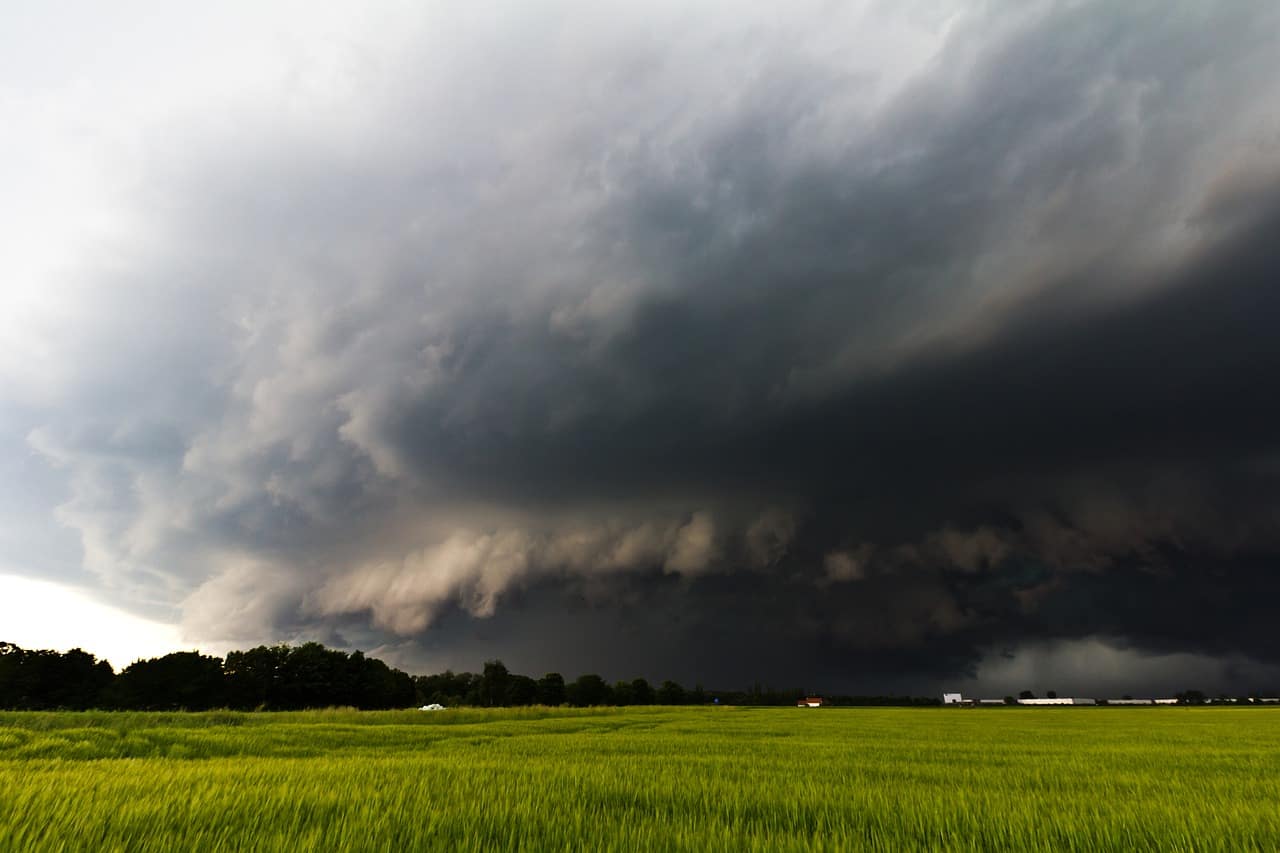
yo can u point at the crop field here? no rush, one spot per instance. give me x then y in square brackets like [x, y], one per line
[644, 778]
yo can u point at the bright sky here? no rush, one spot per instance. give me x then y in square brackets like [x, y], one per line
[40, 615]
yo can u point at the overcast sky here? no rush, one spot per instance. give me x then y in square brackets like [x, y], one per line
[852, 346]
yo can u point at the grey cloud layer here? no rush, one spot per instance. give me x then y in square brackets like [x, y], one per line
[692, 337]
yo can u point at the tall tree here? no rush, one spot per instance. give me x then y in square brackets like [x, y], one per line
[641, 692]
[315, 677]
[551, 689]
[521, 690]
[493, 684]
[446, 688]
[588, 689]
[671, 693]
[255, 677]
[180, 681]
[44, 679]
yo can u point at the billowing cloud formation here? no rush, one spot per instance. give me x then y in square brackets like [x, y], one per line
[855, 347]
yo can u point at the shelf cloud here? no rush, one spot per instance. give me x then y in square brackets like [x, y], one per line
[865, 347]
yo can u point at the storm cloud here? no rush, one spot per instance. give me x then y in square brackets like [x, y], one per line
[861, 349]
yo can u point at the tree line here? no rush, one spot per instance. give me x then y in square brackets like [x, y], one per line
[269, 677]
[497, 687]
[286, 677]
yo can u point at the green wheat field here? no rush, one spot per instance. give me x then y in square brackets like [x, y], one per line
[644, 779]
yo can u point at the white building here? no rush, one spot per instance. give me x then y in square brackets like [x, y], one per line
[1061, 700]
[952, 699]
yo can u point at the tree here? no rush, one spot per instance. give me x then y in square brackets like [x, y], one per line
[11, 657]
[641, 692]
[521, 690]
[1052, 694]
[671, 693]
[82, 679]
[1026, 694]
[551, 689]
[312, 676]
[378, 686]
[182, 681]
[254, 677]
[44, 679]
[446, 688]
[587, 690]
[622, 694]
[493, 684]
